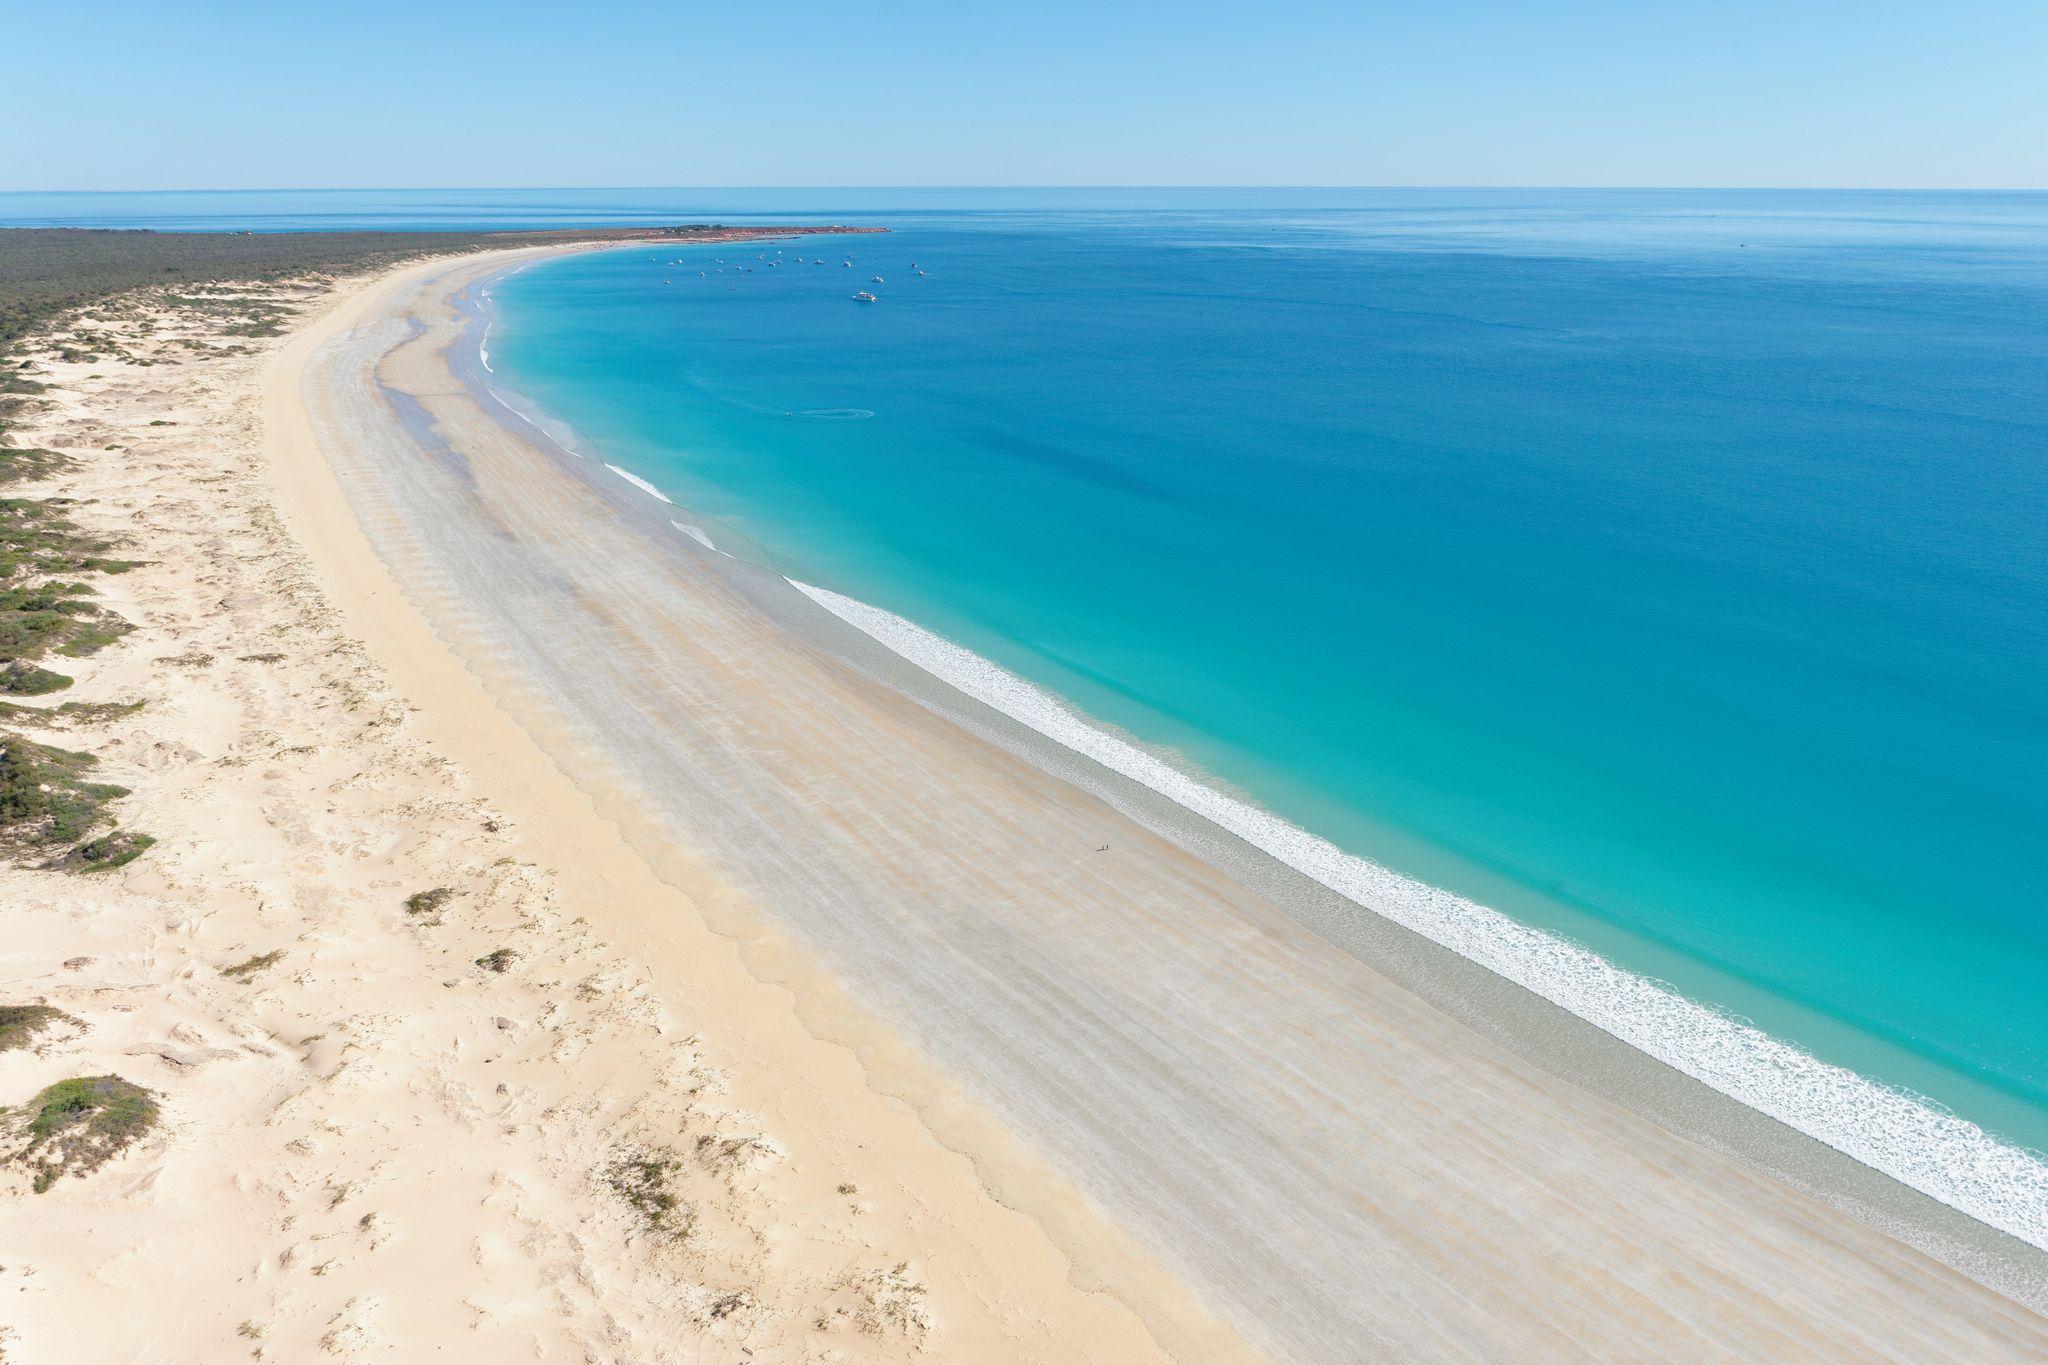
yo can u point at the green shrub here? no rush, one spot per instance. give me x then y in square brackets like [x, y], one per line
[109, 851]
[76, 1126]
[19, 1024]
[44, 795]
[498, 961]
[427, 902]
[242, 971]
[26, 680]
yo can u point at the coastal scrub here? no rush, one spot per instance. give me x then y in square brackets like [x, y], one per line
[45, 797]
[20, 1025]
[76, 1126]
[243, 971]
[427, 902]
[48, 802]
[645, 1179]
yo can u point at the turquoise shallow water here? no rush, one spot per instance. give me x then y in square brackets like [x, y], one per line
[1665, 570]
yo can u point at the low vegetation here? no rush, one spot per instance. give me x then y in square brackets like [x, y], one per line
[28, 464]
[47, 801]
[48, 273]
[21, 679]
[44, 608]
[76, 1126]
[645, 1179]
[500, 960]
[104, 854]
[244, 970]
[68, 716]
[48, 804]
[37, 540]
[85, 295]
[55, 617]
[20, 1025]
[428, 902]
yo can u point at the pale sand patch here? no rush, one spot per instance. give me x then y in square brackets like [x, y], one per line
[373, 1147]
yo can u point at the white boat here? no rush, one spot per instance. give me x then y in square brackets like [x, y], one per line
[880, 280]
[864, 297]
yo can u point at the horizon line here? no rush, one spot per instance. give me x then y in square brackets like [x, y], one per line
[1590, 188]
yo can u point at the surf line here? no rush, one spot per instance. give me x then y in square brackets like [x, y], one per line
[1904, 1135]
[695, 533]
[640, 483]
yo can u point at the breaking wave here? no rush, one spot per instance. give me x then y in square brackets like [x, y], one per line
[1904, 1135]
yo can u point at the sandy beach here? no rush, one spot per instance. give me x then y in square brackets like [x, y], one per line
[1286, 1132]
[372, 1147]
[927, 1049]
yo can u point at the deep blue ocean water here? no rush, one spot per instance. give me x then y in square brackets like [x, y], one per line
[1664, 569]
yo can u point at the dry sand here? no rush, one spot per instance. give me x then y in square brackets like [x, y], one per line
[776, 919]
[376, 1149]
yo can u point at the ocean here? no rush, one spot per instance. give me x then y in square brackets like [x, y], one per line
[1664, 571]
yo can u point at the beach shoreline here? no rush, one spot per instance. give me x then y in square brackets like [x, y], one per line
[435, 1063]
[1499, 1012]
[463, 718]
[1515, 987]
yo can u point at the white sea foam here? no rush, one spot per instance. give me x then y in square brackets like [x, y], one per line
[559, 442]
[639, 483]
[695, 533]
[1904, 1135]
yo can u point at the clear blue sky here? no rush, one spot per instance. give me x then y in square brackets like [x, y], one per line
[235, 94]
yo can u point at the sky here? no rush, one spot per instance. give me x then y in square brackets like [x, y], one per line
[225, 94]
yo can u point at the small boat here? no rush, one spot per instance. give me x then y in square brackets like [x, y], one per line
[864, 297]
[847, 264]
[879, 280]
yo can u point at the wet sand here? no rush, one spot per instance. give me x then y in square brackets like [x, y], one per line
[1214, 1112]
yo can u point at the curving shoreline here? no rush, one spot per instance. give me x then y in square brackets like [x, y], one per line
[996, 1288]
[1971, 1200]
[742, 608]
